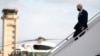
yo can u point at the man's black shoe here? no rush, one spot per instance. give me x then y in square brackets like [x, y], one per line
[81, 34]
[76, 38]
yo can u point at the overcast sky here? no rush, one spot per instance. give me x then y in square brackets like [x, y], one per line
[53, 19]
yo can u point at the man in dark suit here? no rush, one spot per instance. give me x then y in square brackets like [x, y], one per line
[82, 21]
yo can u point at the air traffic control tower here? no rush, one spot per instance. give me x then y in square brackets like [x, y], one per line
[9, 31]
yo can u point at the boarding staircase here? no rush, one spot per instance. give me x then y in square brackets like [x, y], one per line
[87, 45]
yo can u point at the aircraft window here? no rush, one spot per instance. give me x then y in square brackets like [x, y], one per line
[42, 47]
